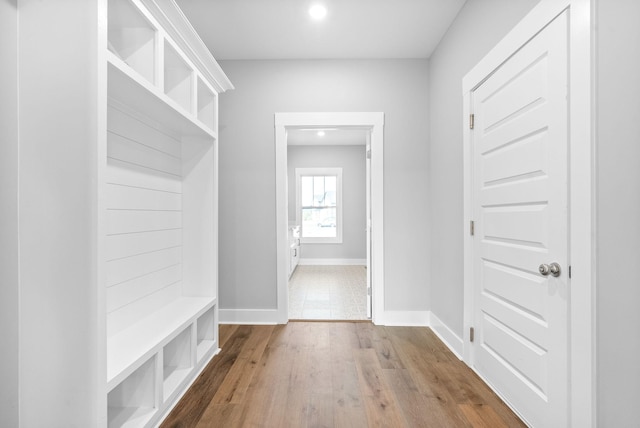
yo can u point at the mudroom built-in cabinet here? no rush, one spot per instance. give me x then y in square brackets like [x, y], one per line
[152, 101]
[160, 195]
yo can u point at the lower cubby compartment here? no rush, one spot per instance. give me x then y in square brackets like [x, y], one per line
[206, 333]
[151, 363]
[177, 362]
[131, 347]
[133, 402]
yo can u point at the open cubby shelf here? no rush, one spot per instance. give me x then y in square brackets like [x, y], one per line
[132, 347]
[132, 38]
[134, 44]
[127, 89]
[177, 358]
[132, 402]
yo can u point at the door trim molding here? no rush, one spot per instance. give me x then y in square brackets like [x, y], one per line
[372, 121]
[582, 339]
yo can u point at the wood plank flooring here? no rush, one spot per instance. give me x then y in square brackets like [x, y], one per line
[337, 374]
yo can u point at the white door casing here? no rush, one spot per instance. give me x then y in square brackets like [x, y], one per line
[374, 123]
[519, 147]
[368, 220]
[510, 212]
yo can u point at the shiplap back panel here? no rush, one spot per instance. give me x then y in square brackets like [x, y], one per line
[144, 219]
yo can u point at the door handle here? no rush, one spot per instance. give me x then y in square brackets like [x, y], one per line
[552, 269]
[544, 269]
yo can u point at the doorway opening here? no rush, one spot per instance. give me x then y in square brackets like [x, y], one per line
[368, 124]
[327, 212]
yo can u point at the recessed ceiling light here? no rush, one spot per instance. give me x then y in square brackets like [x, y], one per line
[318, 11]
[320, 133]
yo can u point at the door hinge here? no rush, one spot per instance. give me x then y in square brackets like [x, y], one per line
[368, 154]
[569, 271]
[369, 291]
[472, 334]
[472, 227]
[472, 119]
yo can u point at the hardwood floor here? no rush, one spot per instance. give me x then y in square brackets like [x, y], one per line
[337, 374]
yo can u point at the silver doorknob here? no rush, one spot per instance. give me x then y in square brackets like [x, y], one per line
[544, 269]
[554, 269]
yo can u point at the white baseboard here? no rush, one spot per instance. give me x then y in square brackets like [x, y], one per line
[403, 318]
[333, 262]
[448, 336]
[248, 316]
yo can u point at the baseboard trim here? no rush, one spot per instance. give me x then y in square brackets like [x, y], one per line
[403, 318]
[333, 262]
[248, 316]
[448, 336]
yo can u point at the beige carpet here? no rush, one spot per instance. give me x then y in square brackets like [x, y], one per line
[328, 293]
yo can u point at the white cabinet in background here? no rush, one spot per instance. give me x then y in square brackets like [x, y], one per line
[294, 248]
[119, 105]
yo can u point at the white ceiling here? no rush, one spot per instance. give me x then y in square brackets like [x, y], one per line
[357, 29]
[331, 137]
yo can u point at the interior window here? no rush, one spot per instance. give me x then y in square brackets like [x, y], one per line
[319, 204]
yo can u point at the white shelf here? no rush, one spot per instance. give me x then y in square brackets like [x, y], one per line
[127, 88]
[205, 347]
[206, 334]
[173, 379]
[132, 403]
[129, 417]
[131, 37]
[131, 348]
[177, 362]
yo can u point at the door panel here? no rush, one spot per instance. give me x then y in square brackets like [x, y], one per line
[520, 160]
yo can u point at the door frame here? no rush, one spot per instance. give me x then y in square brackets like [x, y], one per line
[374, 123]
[581, 227]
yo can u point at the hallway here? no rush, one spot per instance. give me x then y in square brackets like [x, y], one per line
[348, 374]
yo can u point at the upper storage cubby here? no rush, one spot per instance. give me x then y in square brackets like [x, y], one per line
[132, 38]
[207, 105]
[178, 78]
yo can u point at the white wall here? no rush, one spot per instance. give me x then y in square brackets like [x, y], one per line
[61, 378]
[618, 212]
[352, 161]
[9, 287]
[477, 28]
[247, 167]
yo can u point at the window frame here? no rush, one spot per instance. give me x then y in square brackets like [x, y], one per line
[317, 172]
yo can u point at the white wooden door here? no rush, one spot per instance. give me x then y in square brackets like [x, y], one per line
[520, 159]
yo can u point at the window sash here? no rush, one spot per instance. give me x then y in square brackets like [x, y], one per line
[319, 204]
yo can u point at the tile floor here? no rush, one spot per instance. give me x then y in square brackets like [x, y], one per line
[328, 293]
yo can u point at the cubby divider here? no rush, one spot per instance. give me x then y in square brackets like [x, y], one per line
[178, 78]
[207, 105]
[206, 333]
